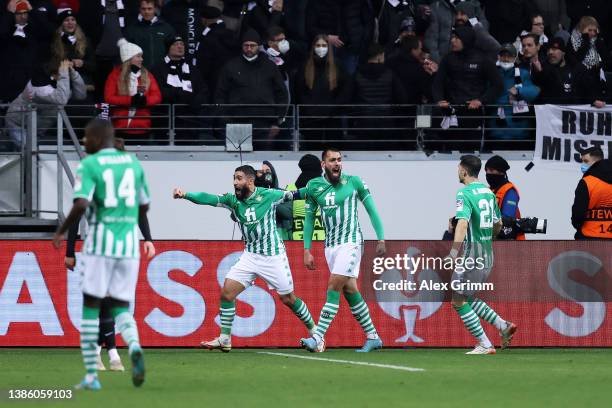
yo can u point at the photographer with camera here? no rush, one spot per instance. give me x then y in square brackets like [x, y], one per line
[507, 196]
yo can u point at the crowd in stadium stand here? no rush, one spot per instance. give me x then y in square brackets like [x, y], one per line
[459, 56]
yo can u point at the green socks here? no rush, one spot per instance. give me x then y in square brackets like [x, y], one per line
[227, 312]
[361, 312]
[89, 338]
[300, 309]
[127, 326]
[485, 312]
[328, 312]
[472, 323]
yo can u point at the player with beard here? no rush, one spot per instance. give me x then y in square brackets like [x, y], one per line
[337, 195]
[264, 256]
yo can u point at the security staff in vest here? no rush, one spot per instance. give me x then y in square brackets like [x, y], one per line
[592, 209]
[507, 195]
[311, 168]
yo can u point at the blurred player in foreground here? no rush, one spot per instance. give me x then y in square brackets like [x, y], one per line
[264, 256]
[336, 194]
[479, 220]
[113, 183]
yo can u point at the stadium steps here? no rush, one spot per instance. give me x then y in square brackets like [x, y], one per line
[26, 228]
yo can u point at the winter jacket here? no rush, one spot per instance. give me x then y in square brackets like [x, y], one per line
[321, 94]
[442, 20]
[20, 55]
[140, 119]
[413, 78]
[512, 127]
[184, 17]
[151, 38]
[508, 18]
[260, 18]
[467, 75]
[48, 99]
[257, 82]
[376, 84]
[601, 170]
[90, 18]
[391, 17]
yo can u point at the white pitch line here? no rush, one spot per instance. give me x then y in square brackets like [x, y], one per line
[333, 360]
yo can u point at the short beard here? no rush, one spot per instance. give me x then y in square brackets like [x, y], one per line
[241, 193]
[330, 176]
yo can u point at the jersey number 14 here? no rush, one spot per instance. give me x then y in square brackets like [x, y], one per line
[125, 190]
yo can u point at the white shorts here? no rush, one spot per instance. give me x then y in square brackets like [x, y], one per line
[344, 259]
[110, 277]
[473, 275]
[273, 269]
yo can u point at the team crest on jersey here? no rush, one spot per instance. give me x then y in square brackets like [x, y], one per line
[460, 204]
[343, 181]
[258, 198]
[320, 189]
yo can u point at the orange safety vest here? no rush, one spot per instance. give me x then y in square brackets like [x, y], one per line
[500, 194]
[598, 222]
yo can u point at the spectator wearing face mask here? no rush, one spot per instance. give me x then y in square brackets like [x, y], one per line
[507, 194]
[592, 209]
[519, 92]
[285, 54]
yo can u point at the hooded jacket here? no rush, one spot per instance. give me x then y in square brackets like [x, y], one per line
[467, 74]
[601, 170]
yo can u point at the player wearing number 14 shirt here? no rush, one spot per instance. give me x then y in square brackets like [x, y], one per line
[264, 254]
[478, 221]
[112, 184]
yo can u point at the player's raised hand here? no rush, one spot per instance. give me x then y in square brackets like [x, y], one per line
[149, 249]
[57, 241]
[381, 249]
[178, 193]
[70, 262]
[309, 260]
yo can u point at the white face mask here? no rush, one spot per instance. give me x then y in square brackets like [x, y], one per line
[321, 51]
[253, 58]
[283, 46]
[506, 65]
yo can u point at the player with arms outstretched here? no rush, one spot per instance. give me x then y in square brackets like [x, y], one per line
[113, 183]
[264, 255]
[337, 194]
[478, 221]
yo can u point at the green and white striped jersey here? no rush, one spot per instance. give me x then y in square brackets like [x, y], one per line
[256, 216]
[338, 207]
[114, 184]
[476, 203]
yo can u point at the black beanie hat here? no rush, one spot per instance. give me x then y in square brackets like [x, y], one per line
[251, 36]
[466, 35]
[64, 14]
[172, 40]
[497, 163]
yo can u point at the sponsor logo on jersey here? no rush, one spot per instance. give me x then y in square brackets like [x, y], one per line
[459, 204]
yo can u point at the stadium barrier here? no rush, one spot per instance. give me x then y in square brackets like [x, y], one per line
[557, 292]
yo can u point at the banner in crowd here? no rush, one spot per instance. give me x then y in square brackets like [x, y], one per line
[564, 132]
[556, 292]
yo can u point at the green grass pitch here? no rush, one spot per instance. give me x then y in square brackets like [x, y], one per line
[248, 378]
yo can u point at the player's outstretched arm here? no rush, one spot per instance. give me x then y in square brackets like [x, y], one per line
[196, 198]
[78, 209]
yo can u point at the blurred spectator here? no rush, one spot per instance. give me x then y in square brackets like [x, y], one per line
[150, 33]
[45, 9]
[295, 21]
[438, 35]
[348, 25]
[310, 166]
[266, 177]
[406, 29]
[216, 45]
[252, 79]
[554, 13]
[530, 56]
[321, 84]
[508, 18]
[74, 5]
[466, 80]
[587, 48]
[507, 195]
[285, 54]
[233, 12]
[593, 197]
[25, 35]
[131, 89]
[601, 9]
[263, 14]
[414, 70]
[466, 15]
[396, 14]
[69, 43]
[537, 28]
[184, 17]
[519, 92]
[557, 80]
[104, 22]
[50, 89]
